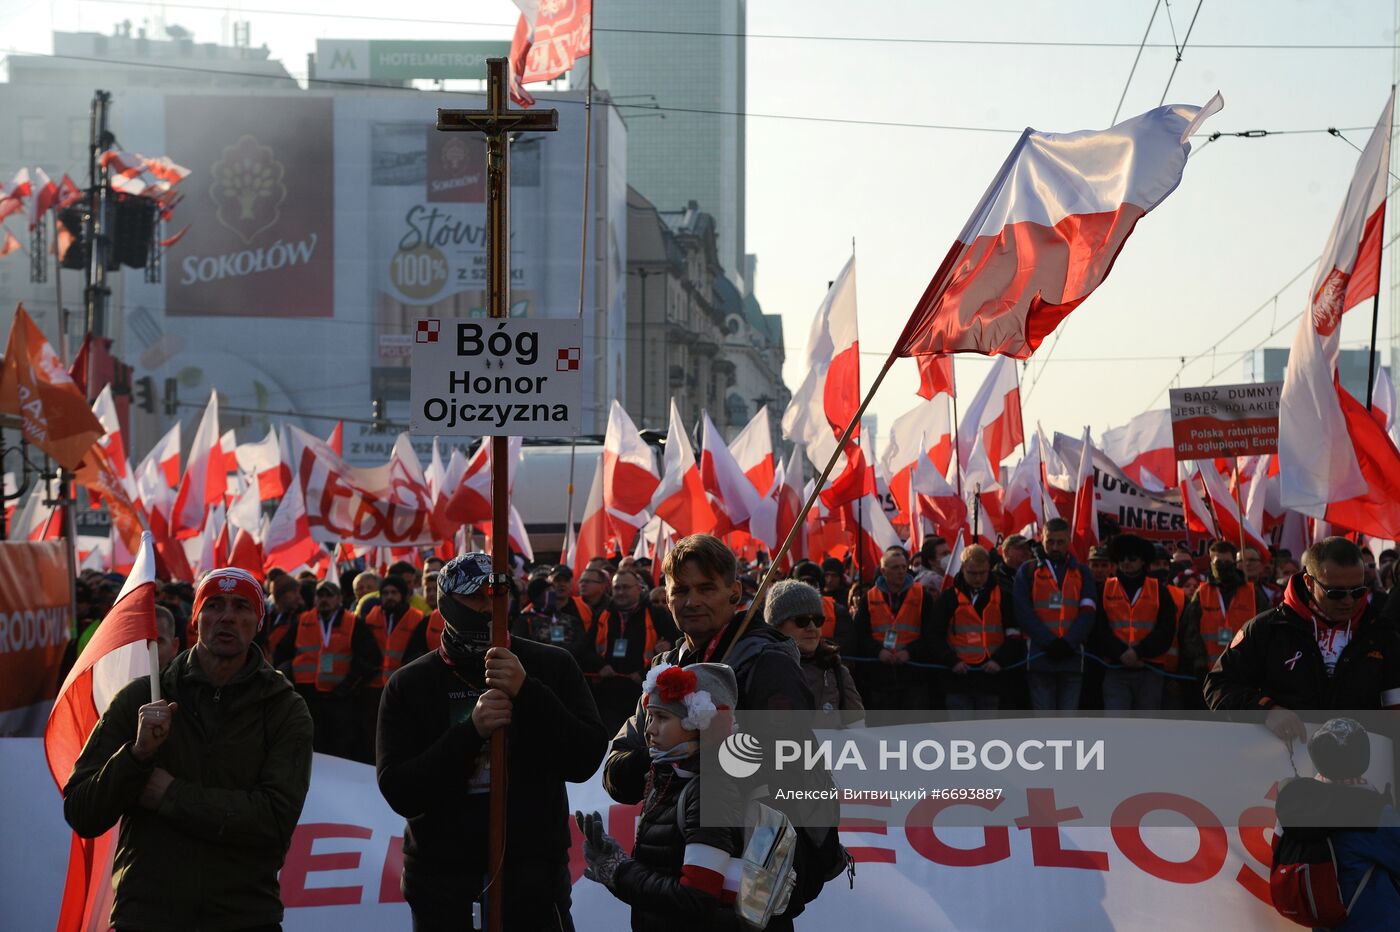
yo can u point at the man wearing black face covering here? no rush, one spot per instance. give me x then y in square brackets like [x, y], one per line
[433, 755]
[1218, 610]
[1135, 628]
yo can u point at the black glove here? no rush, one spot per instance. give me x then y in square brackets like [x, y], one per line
[601, 853]
[1059, 649]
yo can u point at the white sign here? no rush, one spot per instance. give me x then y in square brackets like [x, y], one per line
[492, 378]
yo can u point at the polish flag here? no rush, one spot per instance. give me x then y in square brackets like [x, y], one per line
[444, 527]
[245, 508]
[753, 451]
[116, 655]
[1144, 443]
[12, 195]
[829, 395]
[593, 531]
[336, 440]
[936, 376]
[165, 455]
[131, 173]
[1199, 522]
[733, 496]
[435, 472]
[680, 498]
[994, 416]
[206, 477]
[549, 38]
[262, 462]
[924, 430]
[1047, 231]
[1084, 525]
[11, 244]
[112, 445]
[1023, 500]
[629, 467]
[287, 541]
[870, 531]
[1335, 460]
[788, 495]
[45, 196]
[469, 499]
[1233, 526]
[936, 499]
[246, 553]
[68, 193]
[54, 415]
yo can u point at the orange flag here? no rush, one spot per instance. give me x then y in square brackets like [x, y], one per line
[35, 385]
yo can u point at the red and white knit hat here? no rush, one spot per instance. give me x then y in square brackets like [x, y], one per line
[694, 693]
[230, 580]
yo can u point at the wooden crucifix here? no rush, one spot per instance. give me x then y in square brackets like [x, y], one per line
[497, 122]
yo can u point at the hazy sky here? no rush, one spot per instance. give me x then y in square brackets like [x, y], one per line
[1249, 215]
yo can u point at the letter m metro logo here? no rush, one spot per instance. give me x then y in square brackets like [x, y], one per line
[343, 60]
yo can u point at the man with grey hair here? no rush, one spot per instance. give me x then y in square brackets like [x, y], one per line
[1324, 647]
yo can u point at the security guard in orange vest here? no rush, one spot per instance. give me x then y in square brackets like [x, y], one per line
[400, 630]
[630, 633]
[333, 654]
[1135, 628]
[975, 634]
[1219, 609]
[892, 626]
[1056, 603]
[580, 617]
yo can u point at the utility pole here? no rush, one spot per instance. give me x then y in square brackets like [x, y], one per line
[96, 292]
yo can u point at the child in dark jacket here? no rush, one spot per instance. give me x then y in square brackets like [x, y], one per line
[682, 875]
[1358, 818]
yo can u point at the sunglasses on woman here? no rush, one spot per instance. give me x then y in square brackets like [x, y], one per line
[807, 621]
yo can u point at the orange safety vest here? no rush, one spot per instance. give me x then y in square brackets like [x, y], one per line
[975, 637]
[1131, 621]
[435, 625]
[1171, 659]
[828, 613]
[601, 636]
[907, 625]
[585, 615]
[1046, 589]
[392, 644]
[324, 664]
[1218, 623]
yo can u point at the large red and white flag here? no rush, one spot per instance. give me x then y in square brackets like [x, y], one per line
[1047, 231]
[261, 462]
[1234, 526]
[680, 499]
[549, 38]
[1335, 460]
[54, 415]
[468, 493]
[206, 475]
[732, 495]
[924, 430]
[936, 499]
[1200, 523]
[994, 416]
[753, 451]
[1144, 450]
[869, 532]
[165, 455]
[116, 655]
[13, 193]
[629, 467]
[287, 541]
[936, 376]
[593, 530]
[829, 395]
[132, 173]
[45, 196]
[788, 495]
[381, 506]
[1084, 523]
[1023, 500]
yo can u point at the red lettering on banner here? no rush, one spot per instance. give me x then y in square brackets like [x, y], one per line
[1043, 820]
[390, 889]
[301, 862]
[918, 829]
[1253, 823]
[1200, 867]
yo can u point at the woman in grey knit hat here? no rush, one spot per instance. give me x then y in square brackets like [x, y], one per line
[794, 608]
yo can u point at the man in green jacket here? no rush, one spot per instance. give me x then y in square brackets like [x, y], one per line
[208, 782]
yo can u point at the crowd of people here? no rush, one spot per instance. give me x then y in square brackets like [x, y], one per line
[396, 669]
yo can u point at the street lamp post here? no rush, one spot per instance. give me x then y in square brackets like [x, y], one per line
[642, 273]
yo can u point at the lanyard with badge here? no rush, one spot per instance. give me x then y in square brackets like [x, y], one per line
[327, 658]
[1057, 598]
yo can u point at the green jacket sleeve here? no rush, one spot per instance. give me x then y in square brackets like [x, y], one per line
[265, 815]
[107, 780]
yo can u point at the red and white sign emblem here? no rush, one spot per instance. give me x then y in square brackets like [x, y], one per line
[568, 359]
[428, 331]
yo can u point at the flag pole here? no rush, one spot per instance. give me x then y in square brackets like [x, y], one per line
[957, 442]
[801, 521]
[1376, 298]
[1239, 506]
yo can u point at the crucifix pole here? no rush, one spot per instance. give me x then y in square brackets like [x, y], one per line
[497, 122]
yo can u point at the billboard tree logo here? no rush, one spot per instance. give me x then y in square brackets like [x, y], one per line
[247, 187]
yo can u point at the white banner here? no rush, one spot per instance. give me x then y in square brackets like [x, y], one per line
[342, 873]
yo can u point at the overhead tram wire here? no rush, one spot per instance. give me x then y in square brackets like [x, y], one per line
[795, 37]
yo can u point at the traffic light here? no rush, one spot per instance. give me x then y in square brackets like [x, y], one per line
[146, 394]
[377, 415]
[172, 396]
